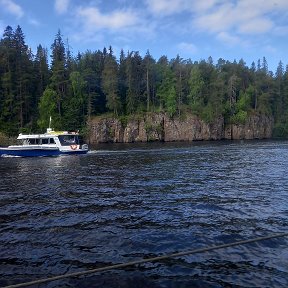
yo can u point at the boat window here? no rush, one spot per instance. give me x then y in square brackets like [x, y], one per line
[45, 141]
[67, 140]
[51, 140]
[34, 141]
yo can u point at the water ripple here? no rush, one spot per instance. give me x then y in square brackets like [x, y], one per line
[67, 214]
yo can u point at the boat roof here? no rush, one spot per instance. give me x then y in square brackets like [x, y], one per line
[50, 133]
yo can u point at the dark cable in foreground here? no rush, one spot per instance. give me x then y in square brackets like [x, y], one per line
[158, 258]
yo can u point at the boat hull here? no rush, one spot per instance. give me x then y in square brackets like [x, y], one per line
[6, 152]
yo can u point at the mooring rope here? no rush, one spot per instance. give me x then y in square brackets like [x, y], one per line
[153, 259]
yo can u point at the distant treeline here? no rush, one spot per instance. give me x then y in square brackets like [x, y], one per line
[72, 89]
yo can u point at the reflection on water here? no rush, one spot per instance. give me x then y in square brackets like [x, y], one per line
[128, 202]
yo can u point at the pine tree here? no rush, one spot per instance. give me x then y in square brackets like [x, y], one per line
[135, 87]
[41, 69]
[279, 93]
[75, 107]
[110, 83]
[196, 84]
[59, 77]
[167, 92]
[48, 108]
[149, 79]
[122, 79]
[16, 80]
[178, 67]
[7, 82]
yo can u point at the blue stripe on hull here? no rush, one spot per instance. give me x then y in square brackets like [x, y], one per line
[37, 153]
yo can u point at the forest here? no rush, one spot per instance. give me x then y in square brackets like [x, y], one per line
[73, 88]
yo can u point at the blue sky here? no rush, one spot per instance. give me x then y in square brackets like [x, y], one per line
[195, 29]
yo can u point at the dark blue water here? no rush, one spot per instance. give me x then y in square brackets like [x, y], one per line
[128, 202]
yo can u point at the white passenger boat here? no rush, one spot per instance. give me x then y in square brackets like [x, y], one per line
[51, 143]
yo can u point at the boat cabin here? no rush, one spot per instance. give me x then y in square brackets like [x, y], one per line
[51, 138]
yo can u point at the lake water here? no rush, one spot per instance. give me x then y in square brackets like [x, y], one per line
[123, 203]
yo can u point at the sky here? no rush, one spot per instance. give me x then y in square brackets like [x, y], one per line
[192, 29]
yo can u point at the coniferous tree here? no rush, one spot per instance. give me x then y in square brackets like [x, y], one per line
[93, 83]
[167, 91]
[59, 77]
[41, 74]
[16, 79]
[110, 83]
[149, 70]
[91, 66]
[178, 65]
[134, 74]
[122, 80]
[161, 67]
[279, 93]
[48, 108]
[7, 84]
[196, 83]
[75, 106]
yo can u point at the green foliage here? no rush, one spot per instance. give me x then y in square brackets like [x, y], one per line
[124, 120]
[208, 113]
[74, 107]
[280, 130]
[242, 107]
[240, 117]
[110, 84]
[48, 108]
[264, 104]
[167, 92]
[244, 102]
[196, 84]
[171, 101]
[73, 89]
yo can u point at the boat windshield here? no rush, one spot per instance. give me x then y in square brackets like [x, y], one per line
[67, 140]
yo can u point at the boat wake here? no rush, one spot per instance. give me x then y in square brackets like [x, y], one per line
[9, 156]
[107, 151]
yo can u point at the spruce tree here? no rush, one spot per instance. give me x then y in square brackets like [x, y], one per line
[110, 83]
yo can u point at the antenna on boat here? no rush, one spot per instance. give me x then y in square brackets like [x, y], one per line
[49, 129]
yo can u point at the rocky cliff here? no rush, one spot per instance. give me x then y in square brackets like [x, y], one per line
[160, 127]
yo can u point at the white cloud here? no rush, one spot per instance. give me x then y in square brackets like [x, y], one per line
[34, 22]
[187, 47]
[242, 17]
[61, 6]
[256, 26]
[165, 7]
[232, 22]
[228, 39]
[217, 20]
[172, 7]
[262, 6]
[94, 20]
[11, 7]
[281, 30]
[86, 39]
[92, 25]
[270, 49]
[202, 6]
